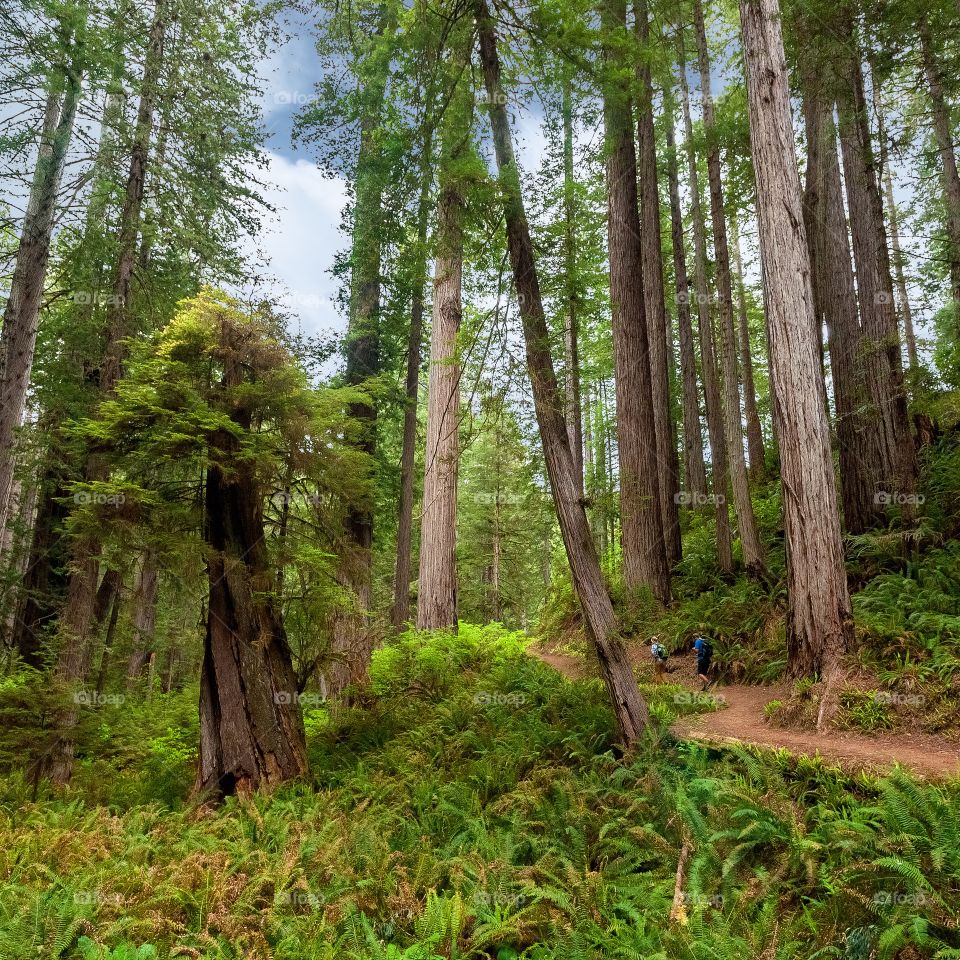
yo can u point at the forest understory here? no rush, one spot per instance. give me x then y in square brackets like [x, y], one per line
[480, 480]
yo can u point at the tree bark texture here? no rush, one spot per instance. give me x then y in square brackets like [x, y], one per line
[889, 444]
[629, 708]
[819, 619]
[659, 334]
[758, 467]
[18, 335]
[437, 588]
[749, 537]
[708, 364]
[645, 561]
[695, 472]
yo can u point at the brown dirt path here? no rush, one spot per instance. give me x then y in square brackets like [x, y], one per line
[740, 720]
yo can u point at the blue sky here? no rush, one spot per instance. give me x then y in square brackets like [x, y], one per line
[300, 242]
[301, 239]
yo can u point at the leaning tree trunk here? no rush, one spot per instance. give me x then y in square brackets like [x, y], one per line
[746, 522]
[835, 298]
[819, 619]
[18, 334]
[758, 468]
[891, 450]
[437, 588]
[943, 130]
[658, 327]
[645, 561]
[251, 731]
[629, 707]
[695, 472]
[401, 581]
[571, 320]
[708, 363]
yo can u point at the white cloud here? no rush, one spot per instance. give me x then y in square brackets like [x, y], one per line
[300, 241]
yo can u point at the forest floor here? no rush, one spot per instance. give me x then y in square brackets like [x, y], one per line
[739, 718]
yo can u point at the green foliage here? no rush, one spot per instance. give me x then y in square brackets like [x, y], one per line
[472, 808]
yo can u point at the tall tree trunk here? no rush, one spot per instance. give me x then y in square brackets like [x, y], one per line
[401, 588]
[890, 449]
[590, 470]
[15, 554]
[943, 130]
[144, 617]
[437, 589]
[644, 550]
[708, 363]
[658, 328]
[571, 332]
[18, 335]
[629, 708]
[758, 468]
[695, 473]
[835, 298]
[251, 732]
[906, 314]
[747, 525]
[44, 581]
[352, 641]
[119, 310]
[819, 619]
[105, 655]
[73, 664]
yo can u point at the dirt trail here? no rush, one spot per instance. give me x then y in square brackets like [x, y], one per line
[740, 720]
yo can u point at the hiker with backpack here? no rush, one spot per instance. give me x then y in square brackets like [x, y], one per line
[703, 649]
[659, 653]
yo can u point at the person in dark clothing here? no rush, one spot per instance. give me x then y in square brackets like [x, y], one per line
[703, 650]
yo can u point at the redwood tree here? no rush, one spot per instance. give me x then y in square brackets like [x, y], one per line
[733, 426]
[628, 705]
[645, 558]
[819, 619]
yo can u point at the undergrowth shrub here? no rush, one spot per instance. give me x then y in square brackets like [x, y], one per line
[487, 816]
